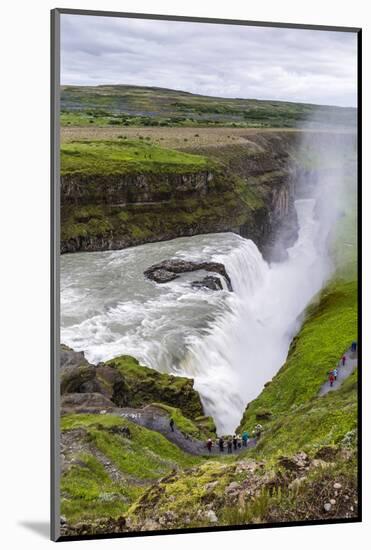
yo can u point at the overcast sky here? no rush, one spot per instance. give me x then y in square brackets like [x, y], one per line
[219, 60]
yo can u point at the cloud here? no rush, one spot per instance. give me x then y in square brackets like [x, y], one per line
[212, 59]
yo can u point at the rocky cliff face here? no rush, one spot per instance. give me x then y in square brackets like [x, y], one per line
[251, 192]
[122, 190]
[122, 382]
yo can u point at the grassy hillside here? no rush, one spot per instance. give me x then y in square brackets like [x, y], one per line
[113, 464]
[292, 488]
[145, 106]
[294, 416]
[124, 156]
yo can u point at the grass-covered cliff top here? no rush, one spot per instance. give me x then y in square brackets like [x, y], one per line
[125, 156]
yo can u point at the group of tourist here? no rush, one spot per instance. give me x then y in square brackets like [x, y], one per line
[235, 442]
[230, 443]
[333, 374]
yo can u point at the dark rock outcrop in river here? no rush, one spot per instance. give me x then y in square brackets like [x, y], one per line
[169, 270]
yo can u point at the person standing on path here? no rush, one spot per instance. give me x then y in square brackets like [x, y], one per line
[245, 438]
[229, 445]
[335, 374]
[344, 358]
[354, 347]
[331, 379]
[235, 442]
[209, 444]
[221, 444]
[171, 423]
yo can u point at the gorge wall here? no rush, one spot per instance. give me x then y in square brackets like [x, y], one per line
[249, 189]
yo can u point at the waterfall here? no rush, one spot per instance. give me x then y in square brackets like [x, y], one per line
[231, 343]
[246, 346]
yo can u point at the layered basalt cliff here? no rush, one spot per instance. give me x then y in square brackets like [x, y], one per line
[247, 188]
[126, 189]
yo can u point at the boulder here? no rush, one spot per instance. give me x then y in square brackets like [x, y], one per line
[162, 271]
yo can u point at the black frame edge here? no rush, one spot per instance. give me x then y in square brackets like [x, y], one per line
[54, 276]
[102, 13]
[359, 264]
[195, 530]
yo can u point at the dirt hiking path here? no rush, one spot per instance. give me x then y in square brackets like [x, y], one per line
[153, 419]
[351, 363]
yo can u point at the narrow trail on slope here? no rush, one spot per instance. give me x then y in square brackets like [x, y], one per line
[153, 420]
[344, 371]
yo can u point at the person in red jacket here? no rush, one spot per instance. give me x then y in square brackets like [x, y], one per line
[331, 378]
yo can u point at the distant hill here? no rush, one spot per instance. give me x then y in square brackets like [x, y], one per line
[123, 105]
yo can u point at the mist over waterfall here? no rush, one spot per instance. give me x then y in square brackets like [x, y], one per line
[231, 343]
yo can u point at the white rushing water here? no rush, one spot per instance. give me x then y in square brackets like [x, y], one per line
[231, 343]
